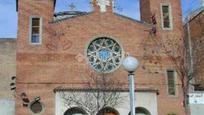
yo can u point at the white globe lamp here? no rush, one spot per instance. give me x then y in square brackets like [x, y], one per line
[130, 64]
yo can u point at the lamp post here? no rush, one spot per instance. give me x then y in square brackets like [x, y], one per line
[130, 64]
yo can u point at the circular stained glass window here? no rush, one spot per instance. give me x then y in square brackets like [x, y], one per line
[104, 54]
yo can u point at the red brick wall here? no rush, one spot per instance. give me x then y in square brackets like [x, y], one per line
[145, 12]
[196, 26]
[42, 68]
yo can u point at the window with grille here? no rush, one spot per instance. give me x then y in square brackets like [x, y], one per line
[35, 30]
[171, 82]
[166, 16]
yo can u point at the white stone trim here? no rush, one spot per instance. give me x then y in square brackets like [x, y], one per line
[147, 100]
[103, 5]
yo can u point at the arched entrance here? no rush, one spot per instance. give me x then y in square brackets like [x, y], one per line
[75, 111]
[108, 111]
[141, 111]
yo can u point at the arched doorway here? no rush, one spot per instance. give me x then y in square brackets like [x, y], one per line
[141, 111]
[108, 111]
[75, 111]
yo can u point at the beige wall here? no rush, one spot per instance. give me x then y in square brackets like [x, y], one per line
[7, 70]
[7, 66]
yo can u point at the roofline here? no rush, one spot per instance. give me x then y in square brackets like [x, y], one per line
[134, 20]
[195, 14]
[14, 39]
[69, 13]
[87, 13]
[54, 4]
[8, 40]
[17, 5]
[82, 14]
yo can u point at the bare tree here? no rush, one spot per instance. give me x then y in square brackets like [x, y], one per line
[176, 49]
[102, 92]
[197, 59]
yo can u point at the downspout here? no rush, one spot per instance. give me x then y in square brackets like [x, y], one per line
[190, 52]
[190, 88]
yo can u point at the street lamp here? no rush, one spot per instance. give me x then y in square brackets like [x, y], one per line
[130, 64]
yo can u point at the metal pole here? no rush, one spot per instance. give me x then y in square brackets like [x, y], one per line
[132, 92]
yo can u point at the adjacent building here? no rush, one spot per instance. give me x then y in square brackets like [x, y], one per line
[7, 75]
[194, 35]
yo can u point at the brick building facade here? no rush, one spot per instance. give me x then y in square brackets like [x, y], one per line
[194, 35]
[194, 31]
[52, 57]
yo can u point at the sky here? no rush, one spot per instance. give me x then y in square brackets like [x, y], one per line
[130, 8]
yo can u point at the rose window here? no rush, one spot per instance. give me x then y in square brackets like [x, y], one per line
[104, 54]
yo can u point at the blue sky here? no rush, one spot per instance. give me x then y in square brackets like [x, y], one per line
[130, 8]
[8, 19]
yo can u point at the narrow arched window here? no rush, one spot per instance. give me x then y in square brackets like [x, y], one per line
[108, 111]
[75, 111]
[141, 111]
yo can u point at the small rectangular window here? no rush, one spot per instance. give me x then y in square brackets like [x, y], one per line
[35, 30]
[166, 16]
[171, 82]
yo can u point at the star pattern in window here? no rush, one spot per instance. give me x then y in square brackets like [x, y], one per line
[104, 54]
